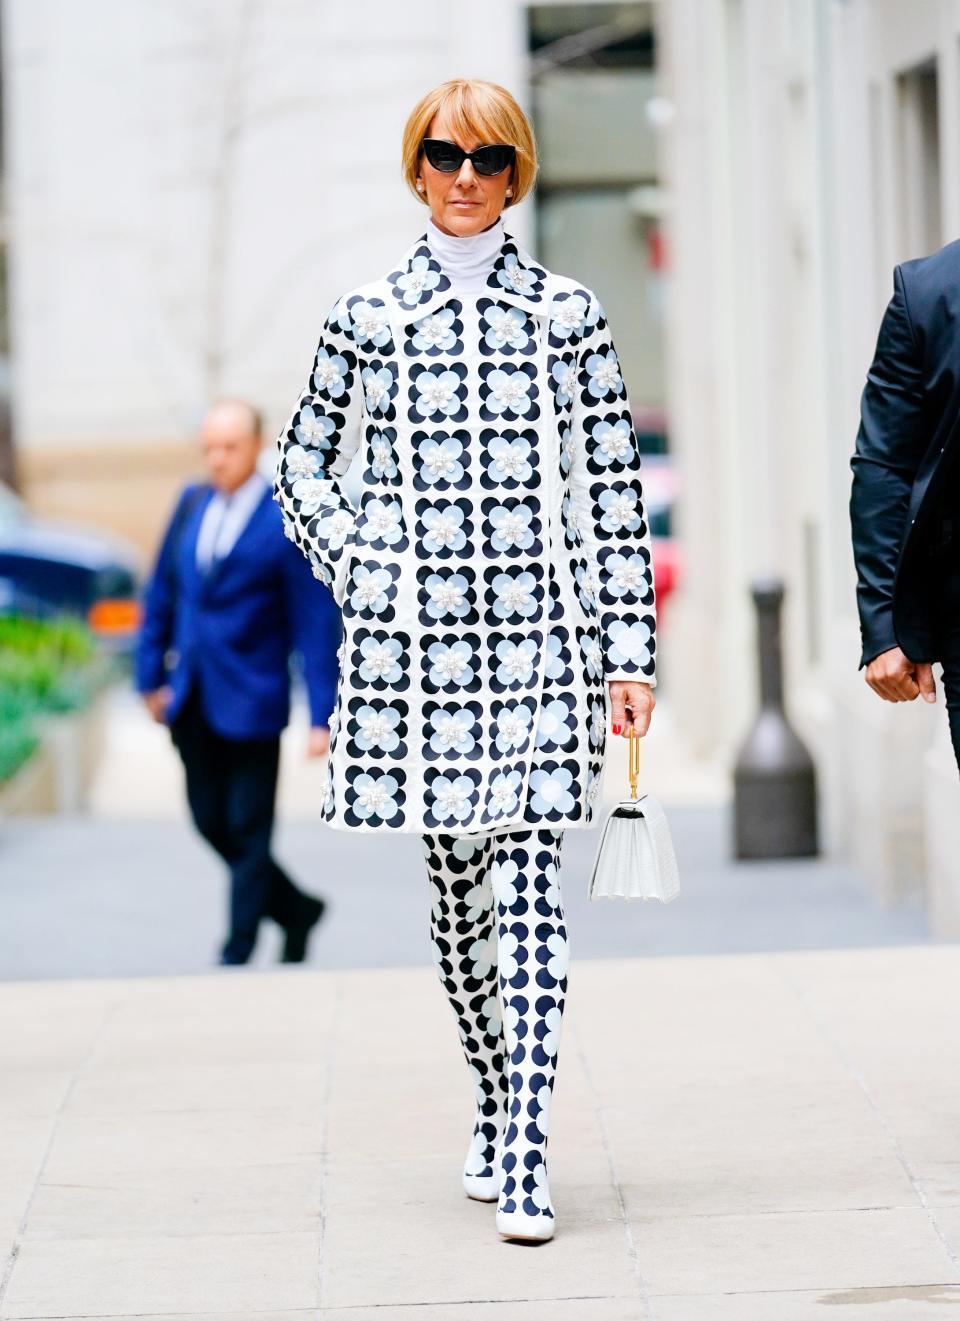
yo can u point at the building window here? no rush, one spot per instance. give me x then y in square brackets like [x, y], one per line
[918, 149]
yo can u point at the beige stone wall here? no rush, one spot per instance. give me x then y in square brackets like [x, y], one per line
[129, 492]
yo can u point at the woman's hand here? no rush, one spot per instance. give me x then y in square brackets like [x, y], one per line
[638, 698]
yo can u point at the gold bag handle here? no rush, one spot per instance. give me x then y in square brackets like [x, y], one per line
[634, 761]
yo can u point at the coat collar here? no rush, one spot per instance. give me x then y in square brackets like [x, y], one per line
[418, 285]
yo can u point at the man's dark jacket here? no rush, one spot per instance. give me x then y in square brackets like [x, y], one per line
[231, 632]
[902, 502]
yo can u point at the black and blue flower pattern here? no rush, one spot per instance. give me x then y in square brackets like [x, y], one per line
[314, 427]
[333, 373]
[452, 730]
[591, 652]
[570, 314]
[509, 392]
[503, 795]
[451, 797]
[610, 443]
[380, 524]
[505, 330]
[378, 727]
[559, 666]
[372, 591]
[381, 659]
[511, 726]
[625, 576]
[510, 527]
[487, 668]
[446, 596]
[451, 663]
[438, 393]
[597, 723]
[444, 529]
[511, 274]
[557, 724]
[510, 459]
[436, 333]
[380, 389]
[585, 585]
[382, 466]
[441, 460]
[513, 594]
[562, 378]
[600, 377]
[631, 642]
[501, 951]
[514, 660]
[365, 321]
[620, 506]
[420, 280]
[375, 796]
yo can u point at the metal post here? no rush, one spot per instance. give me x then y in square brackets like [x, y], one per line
[775, 813]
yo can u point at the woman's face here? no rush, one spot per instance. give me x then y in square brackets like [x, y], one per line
[466, 202]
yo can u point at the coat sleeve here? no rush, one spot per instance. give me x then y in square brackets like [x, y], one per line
[893, 436]
[606, 511]
[315, 448]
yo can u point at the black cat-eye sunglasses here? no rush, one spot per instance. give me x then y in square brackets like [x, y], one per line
[447, 157]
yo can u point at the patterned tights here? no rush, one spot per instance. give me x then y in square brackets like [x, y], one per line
[501, 950]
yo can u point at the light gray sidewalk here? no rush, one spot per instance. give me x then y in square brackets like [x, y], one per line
[744, 1138]
[131, 890]
[85, 897]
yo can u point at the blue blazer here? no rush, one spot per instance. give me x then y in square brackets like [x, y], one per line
[233, 630]
[909, 437]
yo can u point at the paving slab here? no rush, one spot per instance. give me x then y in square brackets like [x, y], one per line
[731, 1139]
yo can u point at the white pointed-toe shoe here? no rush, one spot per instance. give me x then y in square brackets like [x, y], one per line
[513, 1221]
[481, 1187]
[524, 1228]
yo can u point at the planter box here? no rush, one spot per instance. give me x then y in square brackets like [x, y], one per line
[58, 776]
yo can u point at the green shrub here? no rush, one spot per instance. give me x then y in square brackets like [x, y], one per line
[46, 665]
[18, 743]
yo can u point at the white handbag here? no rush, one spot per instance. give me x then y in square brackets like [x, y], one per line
[635, 857]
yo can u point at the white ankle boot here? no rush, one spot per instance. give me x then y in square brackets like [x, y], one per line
[482, 1186]
[526, 1228]
[525, 1209]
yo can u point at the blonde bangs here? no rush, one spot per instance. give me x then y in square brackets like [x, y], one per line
[475, 109]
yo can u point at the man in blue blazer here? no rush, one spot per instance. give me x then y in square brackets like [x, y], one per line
[905, 496]
[230, 598]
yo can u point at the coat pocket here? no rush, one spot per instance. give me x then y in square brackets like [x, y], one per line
[347, 561]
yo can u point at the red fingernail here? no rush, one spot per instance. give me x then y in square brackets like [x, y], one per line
[617, 728]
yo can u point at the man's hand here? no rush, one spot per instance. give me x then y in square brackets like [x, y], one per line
[896, 678]
[318, 741]
[638, 698]
[157, 703]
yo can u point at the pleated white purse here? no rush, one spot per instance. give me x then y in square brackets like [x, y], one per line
[635, 857]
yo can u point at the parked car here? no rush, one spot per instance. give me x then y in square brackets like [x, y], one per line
[49, 568]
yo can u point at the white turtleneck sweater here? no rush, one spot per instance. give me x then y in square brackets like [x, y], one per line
[466, 259]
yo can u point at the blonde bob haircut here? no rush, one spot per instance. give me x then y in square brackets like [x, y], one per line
[475, 109]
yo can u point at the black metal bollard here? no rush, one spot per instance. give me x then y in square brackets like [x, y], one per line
[774, 781]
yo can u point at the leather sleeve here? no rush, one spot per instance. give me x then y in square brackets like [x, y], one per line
[892, 438]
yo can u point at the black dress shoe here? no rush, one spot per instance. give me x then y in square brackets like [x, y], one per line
[229, 960]
[295, 937]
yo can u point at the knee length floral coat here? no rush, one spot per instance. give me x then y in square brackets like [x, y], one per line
[497, 572]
